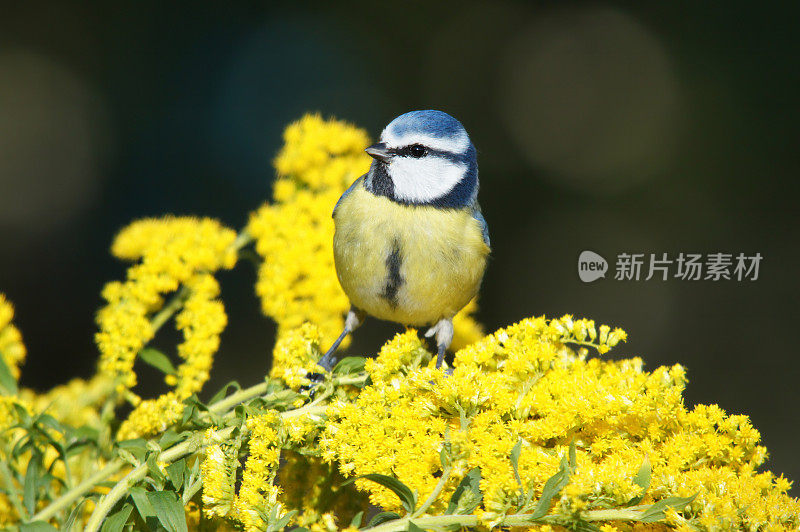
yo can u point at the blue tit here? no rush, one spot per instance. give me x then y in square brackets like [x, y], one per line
[411, 244]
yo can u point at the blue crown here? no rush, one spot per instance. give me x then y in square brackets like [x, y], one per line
[433, 123]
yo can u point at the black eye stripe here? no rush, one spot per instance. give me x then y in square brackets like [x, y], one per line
[405, 151]
[412, 150]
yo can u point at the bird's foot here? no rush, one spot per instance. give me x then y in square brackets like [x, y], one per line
[315, 380]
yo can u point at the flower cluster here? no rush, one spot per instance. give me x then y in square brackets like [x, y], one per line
[295, 356]
[12, 349]
[294, 235]
[258, 503]
[174, 253]
[525, 385]
[12, 355]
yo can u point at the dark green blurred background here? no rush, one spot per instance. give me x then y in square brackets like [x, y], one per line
[616, 127]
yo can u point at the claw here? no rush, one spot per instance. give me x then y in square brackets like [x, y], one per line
[354, 318]
[443, 331]
[316, 379]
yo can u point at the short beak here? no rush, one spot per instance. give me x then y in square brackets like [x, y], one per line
[379, 152]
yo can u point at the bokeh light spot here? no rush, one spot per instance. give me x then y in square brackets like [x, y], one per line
[50, 143]
[588, 95]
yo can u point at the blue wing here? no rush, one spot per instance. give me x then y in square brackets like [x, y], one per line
[476, 213]
[356, 183]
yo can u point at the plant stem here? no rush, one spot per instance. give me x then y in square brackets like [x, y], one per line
[360, 378]
[435, 493]
[70, 496]
[427, 522]
[239, 397]
[12, 490]
[514, 520]
[584, 343]
[242, 239]
[169, 309]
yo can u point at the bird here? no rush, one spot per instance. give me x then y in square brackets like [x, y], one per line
[410, 243]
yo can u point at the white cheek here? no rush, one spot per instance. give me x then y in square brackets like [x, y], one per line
[423, 180]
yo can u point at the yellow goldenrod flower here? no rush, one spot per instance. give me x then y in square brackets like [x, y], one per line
[295, 355]
[172, 251]
[201, 320]
[151, 416]
[76, 403]
[525, 383]
[219, 476]
[258, 494]
[11, 347]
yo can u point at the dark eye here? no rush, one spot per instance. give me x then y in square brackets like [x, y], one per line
[417, 150]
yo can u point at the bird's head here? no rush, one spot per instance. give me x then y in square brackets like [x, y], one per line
[424, 158]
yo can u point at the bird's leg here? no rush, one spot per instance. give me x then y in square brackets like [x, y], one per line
[444, 335]
[355, 318]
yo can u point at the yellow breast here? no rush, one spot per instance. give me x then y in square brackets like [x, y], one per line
[411, 264]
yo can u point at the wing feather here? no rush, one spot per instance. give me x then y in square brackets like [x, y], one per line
[356, 183]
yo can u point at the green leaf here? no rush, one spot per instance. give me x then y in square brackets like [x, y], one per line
[444, 454]
[220, 395]
[158, 360]
[551, 488]
[85, 433]
[413, 528]
[73, 515]
[8, 384]
[80, 438]
[170, 438]
[584, 526]
[155, 470]
[467, 495]
[176, 472]
[137, 447]
[350, 365]
[642, 479]
[143, 505]
[116, 521]
[30, 487]
[169, 510]
[36, 526]
[656, 511]
[191, 481]
[190, 413]
[383, 517]
[405, 494]
[462, 417]
[281, 523]
[49, 421]
[356, 521]
[515, 452]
